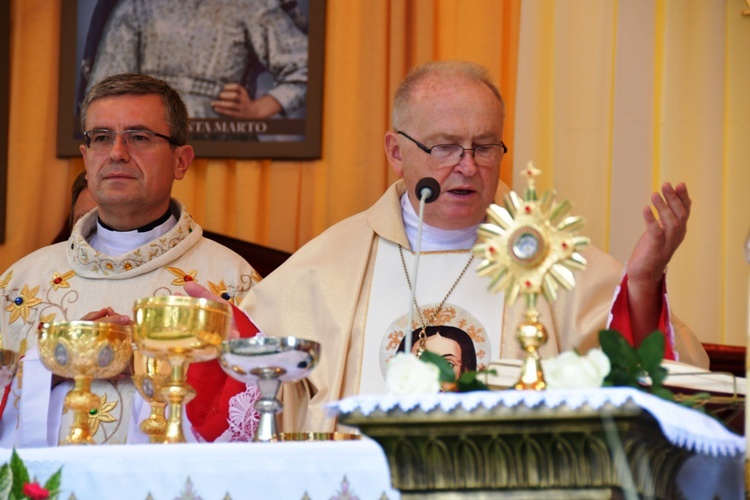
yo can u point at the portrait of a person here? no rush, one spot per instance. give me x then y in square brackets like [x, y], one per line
[453, 344]
[212, 52]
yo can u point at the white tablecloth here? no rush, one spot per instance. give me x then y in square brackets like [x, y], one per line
[285, 470]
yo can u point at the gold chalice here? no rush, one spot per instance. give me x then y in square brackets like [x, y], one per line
[83, 351]
[267, 362]
[179, 330]
[150, 375]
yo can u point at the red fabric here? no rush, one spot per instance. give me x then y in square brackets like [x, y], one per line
[209, 409]
[6, 393]
[621, 317]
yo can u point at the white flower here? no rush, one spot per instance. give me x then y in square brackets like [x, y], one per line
[408, 375]
[571, 371]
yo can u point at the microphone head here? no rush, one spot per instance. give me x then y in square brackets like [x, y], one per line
[428, 188]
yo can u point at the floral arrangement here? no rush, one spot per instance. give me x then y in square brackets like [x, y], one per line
[616, 364]
[16, 485]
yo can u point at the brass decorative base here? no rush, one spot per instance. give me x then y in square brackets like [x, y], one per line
[155, 426]
[531, 334]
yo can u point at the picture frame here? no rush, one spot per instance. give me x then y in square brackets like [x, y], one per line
[4, 110]
[89, 29]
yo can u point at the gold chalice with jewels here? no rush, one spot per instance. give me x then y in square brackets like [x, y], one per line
[150, 375]
[83, 351]
[179, 330]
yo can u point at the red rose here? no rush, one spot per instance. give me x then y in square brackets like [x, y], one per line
[35, 492]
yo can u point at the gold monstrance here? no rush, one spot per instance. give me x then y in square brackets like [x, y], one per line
[530, 247]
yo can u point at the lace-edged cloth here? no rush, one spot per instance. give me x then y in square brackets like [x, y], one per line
[243, 417]
[683, 427]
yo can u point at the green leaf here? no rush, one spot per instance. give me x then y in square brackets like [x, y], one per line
[446, 370]
[658, 374]
[53, 483]
[6, 481]
[617, 349]
[20, 474]
[469, 382]
[662, 393]
[625, 369]
[651, 350]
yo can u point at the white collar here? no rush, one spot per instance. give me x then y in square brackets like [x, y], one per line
[116, 243]
[434, 238]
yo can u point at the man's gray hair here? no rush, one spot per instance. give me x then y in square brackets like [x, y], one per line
[458, 69]
[176, 113]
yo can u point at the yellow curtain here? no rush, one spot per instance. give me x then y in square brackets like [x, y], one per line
[609, 98]
[615, 98]
[369, 47]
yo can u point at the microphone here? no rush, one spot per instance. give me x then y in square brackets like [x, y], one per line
[427, 188]
[427, 191]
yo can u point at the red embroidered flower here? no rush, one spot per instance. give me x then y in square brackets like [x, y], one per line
[35, 492]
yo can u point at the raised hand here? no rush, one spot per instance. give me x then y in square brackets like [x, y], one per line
[659, 242]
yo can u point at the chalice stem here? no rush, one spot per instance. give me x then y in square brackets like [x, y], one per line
[177, 393]
[531, 334]
[81, 401]
[268, 406]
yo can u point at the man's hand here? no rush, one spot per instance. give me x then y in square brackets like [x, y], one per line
[108, 315]
[233, 101]
[659, 242]
[648, 262]
[193, 289]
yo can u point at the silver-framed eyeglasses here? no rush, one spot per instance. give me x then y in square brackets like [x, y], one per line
[103, 139]
[450, 154]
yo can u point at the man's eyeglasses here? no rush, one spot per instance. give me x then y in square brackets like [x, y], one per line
[450, 154]
[100, 140]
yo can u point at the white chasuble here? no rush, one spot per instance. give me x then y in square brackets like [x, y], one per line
[475, 314]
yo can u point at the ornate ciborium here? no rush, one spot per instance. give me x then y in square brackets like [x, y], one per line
[179, 330]
[530, 247]
[83, 351]
[267, 362]
[150, 376]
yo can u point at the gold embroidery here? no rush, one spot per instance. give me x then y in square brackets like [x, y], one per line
[182, 276]
[101, 414]
[20, 306]
[61, 280]
[4, 282]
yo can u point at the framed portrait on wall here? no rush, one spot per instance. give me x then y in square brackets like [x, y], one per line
[249, 71]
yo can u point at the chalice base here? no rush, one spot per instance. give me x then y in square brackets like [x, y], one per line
[155, 426]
